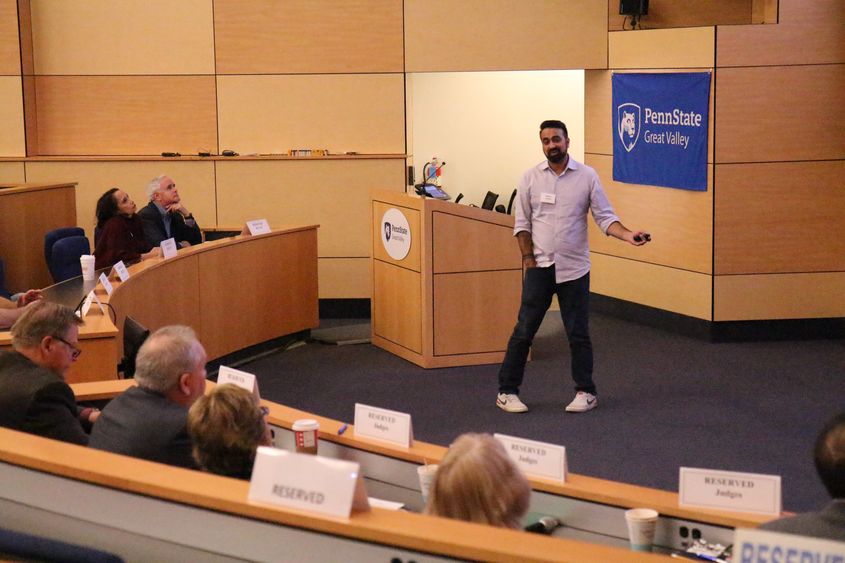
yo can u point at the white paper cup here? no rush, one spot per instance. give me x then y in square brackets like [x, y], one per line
[87, 263]
[426, 474]
[642, 523]
[305, 431]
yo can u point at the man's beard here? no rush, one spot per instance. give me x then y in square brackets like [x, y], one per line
[556, 155]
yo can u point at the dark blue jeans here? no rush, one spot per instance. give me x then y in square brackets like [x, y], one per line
[538, 286]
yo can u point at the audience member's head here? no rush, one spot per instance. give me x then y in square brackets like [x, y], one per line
[112, 203]
[226, 427]
[830, 456]
[172, 362]
[162, 190]
[478, 482]
[48, 334]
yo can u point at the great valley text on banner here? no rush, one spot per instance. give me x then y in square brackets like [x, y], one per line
[660, 129]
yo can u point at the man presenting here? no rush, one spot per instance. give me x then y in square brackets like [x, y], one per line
[551, 229]
[165, 216]
[150, 421]
[34, 397]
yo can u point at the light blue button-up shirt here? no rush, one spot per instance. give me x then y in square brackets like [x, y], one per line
[554, 210]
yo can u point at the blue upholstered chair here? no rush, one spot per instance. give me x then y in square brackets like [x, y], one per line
[62, 249]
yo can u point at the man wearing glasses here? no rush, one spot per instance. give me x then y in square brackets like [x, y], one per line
[34, 397]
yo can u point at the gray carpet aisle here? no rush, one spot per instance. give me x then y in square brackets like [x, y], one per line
[665, 401]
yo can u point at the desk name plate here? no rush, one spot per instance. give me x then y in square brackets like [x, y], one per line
[730, 490]
[168, 248]
[121, 270]
[536, 459]
[242, 379]
[104, 280]
[307, 482]
[258, 226]
[382, 424]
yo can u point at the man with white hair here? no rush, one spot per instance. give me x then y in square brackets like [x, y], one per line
[165, 216]
[150, 421]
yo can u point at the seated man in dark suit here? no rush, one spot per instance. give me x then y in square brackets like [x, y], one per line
[33, 394]
[165, 216]
[828, 523]
[150, 421]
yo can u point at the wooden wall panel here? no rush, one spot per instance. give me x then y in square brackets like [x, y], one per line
[689, 13]
[443, 35]
[332, 193]
[663, 48]
[12, 173]
[598, 119]
[12, 138]
[768, 114]
[318, 36]
[783, 217]
[670, 289]
[680, 221]
[127, 37]
[345, 278]
[271, 114]
[810, 11]
[125, 115]
[779, 296]
[195, 181]
[10, 55]
[820, 43]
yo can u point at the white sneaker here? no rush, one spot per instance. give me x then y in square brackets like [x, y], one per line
[510, 403]
[582, 402]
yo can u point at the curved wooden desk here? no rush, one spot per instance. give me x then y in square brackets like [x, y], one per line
[144, 511]
[234, 292]
[591, 508]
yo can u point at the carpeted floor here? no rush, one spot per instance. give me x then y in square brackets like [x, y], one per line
[666, 401]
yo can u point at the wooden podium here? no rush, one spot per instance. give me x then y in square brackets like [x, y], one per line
[452, 299]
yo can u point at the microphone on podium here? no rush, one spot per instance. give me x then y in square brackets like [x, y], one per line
[545, 525]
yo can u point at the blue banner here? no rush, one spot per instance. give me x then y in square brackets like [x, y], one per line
[660, 129]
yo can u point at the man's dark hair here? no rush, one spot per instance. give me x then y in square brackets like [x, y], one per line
[830, 456]
[554, 124]
[106, 207]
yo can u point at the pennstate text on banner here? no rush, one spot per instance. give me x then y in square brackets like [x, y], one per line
[660, 126]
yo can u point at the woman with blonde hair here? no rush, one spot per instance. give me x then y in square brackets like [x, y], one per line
[226, 427]
[478, 482]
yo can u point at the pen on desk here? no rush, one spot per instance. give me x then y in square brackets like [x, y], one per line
[342, 429]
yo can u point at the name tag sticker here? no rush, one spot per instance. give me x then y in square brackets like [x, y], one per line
[258, 226]
[547, 198]
[536, 459]
[122, 272]
[106, 284]
[168, 248]
[763, 546]
[729, 490]
[242, 379]
[382, 424]
[307, 482]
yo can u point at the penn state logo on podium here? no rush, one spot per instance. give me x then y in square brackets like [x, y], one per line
[395, 234]
[628, 118]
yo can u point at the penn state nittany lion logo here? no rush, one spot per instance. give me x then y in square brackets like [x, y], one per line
[628, 120]
[387, 230]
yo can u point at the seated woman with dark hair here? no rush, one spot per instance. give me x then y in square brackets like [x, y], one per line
[226, 427]
[120, 232]
[478, 482]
